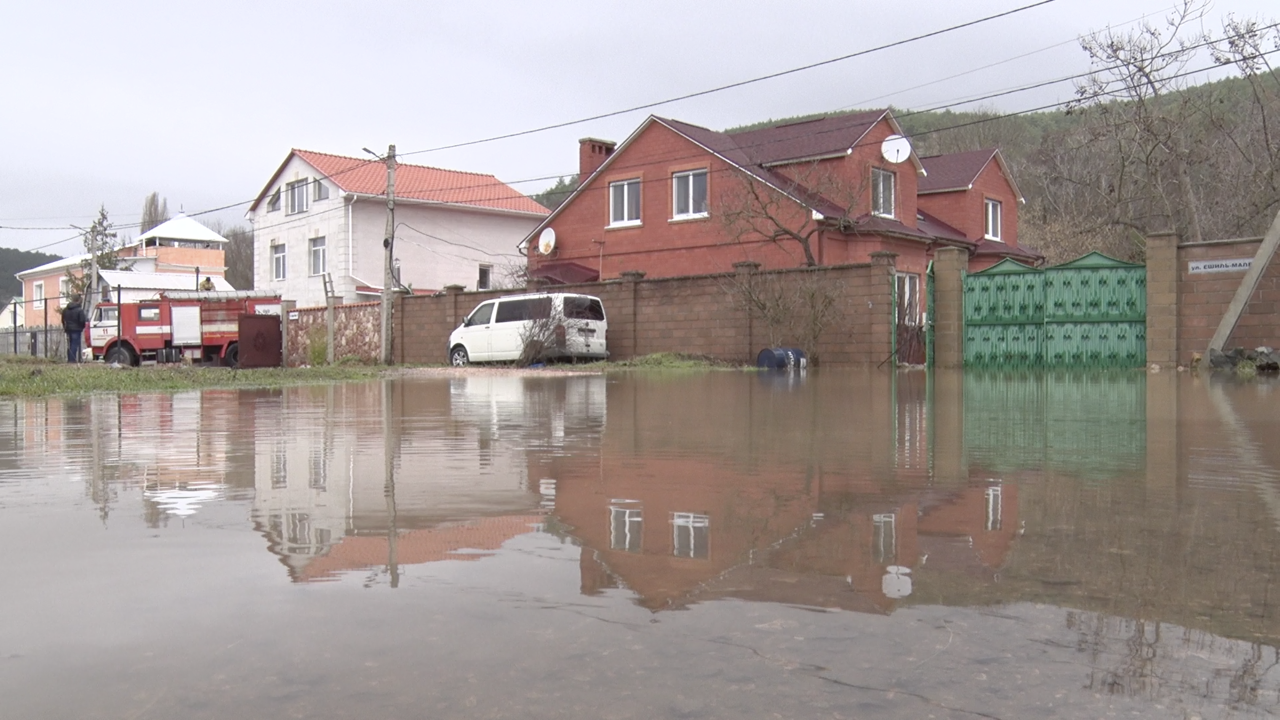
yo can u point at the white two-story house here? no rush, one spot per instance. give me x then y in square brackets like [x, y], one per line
[323, 214]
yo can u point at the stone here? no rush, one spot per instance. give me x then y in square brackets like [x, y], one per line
[1220, 360]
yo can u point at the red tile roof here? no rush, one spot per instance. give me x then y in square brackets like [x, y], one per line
[367, 176]
[957, 171]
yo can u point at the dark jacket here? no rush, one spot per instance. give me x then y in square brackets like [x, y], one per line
[73, 319]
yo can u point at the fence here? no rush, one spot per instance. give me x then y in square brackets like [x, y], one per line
[34, 328]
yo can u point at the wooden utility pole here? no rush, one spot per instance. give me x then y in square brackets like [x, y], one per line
[388, 244]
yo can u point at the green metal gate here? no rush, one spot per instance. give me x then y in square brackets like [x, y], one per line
[1088, 313]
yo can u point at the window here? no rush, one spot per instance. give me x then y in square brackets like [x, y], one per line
[316, 249]
[148, 313]
[882, 192]
[37, 295]
[486, 277]
[297, 196]
[886, 537]
[690, 194]
[482, 315]
[689, 535]
[908, 287]
[517, 310]
[64, 288]
[274, 203]
[624, 202]
[583, 308]
[626, 524]
[993, 220]
[321, 190]
[277, 262]
[994, 510]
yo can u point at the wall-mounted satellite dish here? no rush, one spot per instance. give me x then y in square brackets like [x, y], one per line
[547, 241]
[895, 148]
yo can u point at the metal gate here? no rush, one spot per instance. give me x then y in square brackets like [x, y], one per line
[260, 343]
[1088, 313]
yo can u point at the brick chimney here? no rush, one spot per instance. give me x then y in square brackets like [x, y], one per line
[591, 155]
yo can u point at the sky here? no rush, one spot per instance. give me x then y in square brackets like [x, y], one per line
[103, 103]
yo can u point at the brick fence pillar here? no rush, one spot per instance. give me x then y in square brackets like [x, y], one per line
[1162, 299]
[948, 307]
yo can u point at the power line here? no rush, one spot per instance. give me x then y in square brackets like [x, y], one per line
[740, 83]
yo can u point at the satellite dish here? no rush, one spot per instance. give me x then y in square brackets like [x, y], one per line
[547, 241]
[895, 148]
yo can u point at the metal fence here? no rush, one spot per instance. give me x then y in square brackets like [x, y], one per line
[34, 328]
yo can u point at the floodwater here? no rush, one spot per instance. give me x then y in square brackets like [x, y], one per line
[846, 544]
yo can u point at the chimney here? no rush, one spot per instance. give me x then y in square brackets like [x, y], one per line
[591, 155]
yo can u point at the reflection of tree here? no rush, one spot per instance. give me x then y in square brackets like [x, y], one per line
[1247, 681]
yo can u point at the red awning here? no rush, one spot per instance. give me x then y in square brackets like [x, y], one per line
[565, 273]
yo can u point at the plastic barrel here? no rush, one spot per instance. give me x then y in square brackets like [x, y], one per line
[781, 359]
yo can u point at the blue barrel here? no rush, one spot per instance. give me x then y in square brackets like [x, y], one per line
[781, 359]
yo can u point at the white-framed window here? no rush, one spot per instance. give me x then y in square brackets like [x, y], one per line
[910, 309]
[274, 203]
[885, 527]
[297, 192]
[485, 281]
[315, 250]
[882, 192]
[624, 202]
[690, 533]
[64, 290]
[321, 191]
[689, 194]
[626, 527]
[37, 295]
[277, 262]
[993, 220]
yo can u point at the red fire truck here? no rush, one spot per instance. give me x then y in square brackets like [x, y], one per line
[176, 325]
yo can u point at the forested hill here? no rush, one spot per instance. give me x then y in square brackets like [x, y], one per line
[15, 261]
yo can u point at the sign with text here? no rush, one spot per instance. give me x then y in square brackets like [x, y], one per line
[1216, 266]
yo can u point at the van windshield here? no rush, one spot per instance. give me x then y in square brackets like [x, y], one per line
[583, 308]
[481, 315]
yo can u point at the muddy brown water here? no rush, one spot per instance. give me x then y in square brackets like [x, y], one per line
[844, 544]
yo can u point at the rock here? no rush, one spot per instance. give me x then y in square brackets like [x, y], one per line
[1220, 360]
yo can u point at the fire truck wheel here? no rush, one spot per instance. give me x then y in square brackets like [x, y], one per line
[232, 358]
[119, 356]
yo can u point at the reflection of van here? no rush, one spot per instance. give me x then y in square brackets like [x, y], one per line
[567, 326]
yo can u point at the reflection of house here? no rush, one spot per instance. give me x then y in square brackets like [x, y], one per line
[180, 246]
[322, 214]
[677, 199]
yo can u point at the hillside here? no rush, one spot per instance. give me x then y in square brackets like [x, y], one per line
[15, 261]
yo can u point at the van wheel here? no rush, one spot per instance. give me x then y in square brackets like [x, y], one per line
[232, 358]
[458, 357]
[120, 356]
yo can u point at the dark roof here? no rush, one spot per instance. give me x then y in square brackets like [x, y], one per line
[939, 229]
[995, 247]
[565, 273]
[806, 139]
[957, 171]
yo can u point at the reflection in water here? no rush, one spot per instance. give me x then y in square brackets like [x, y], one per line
[1123, 524]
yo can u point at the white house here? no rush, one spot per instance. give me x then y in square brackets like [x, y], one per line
[326, 214]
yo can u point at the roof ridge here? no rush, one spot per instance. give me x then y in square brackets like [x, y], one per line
[398, 163]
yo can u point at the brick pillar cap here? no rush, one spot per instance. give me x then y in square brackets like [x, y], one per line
[632, 275]
[454, 289]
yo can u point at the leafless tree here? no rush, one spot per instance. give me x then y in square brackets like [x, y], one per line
[155, 210]
[793, 306]
[238, 253]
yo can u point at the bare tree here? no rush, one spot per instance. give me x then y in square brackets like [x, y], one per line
[794, 306]
[238, 253]
[155, 210]
[751, 210]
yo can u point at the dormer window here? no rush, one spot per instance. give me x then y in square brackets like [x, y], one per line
[882, 192]
[993, 221]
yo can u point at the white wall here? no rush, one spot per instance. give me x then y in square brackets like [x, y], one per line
[436, 245]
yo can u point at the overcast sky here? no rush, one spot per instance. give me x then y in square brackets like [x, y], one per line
[106, 102]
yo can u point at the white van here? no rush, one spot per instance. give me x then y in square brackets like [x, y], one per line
[564, 325]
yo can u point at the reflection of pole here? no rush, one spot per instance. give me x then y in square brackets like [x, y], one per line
[391, 453]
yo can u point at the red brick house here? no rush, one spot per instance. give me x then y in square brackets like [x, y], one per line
[677, 199]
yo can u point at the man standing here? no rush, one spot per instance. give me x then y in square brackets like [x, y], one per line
[73, 322]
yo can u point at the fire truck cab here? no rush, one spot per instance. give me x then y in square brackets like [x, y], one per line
[194, 326]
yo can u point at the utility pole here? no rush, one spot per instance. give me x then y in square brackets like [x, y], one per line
[388, 244]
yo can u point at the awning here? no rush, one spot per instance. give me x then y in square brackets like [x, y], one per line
[565, 273]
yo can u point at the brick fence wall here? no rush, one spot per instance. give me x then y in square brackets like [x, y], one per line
[696, 314]
[356, 334]
[1184, 308]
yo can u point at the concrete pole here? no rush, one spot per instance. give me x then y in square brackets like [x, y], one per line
[388, 244]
